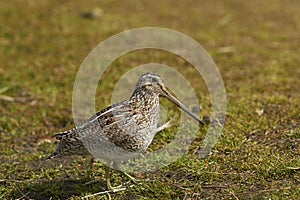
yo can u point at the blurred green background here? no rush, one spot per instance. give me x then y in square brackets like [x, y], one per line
[255, 44]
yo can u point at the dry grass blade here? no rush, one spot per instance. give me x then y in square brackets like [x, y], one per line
[7, 98]
[5, 89]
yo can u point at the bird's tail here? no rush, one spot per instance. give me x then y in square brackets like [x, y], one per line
[65, 134]
[53, 155]
[62, 137]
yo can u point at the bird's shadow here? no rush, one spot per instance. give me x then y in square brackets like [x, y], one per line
[65, 187]
[56, 189]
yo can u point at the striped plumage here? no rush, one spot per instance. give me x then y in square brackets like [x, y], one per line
[122, 130]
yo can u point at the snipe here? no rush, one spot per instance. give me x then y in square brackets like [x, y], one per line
[122, 130]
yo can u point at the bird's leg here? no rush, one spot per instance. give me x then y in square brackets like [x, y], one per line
[108, 184]
[107, 177]
[164, 126]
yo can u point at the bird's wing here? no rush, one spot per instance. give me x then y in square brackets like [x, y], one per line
[119, 124]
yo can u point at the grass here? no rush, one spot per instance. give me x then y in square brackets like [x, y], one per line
[258, 156]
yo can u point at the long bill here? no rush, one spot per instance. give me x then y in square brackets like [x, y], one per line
[180, 105]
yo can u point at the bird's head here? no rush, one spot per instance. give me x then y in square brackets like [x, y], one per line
[154, 83]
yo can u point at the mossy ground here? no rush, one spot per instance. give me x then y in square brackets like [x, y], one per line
[258, 156]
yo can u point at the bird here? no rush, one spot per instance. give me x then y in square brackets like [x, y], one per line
[123, 130]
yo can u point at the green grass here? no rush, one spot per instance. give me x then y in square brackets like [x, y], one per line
[258, 156]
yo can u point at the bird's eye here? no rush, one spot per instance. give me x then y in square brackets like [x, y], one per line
[154, 80]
